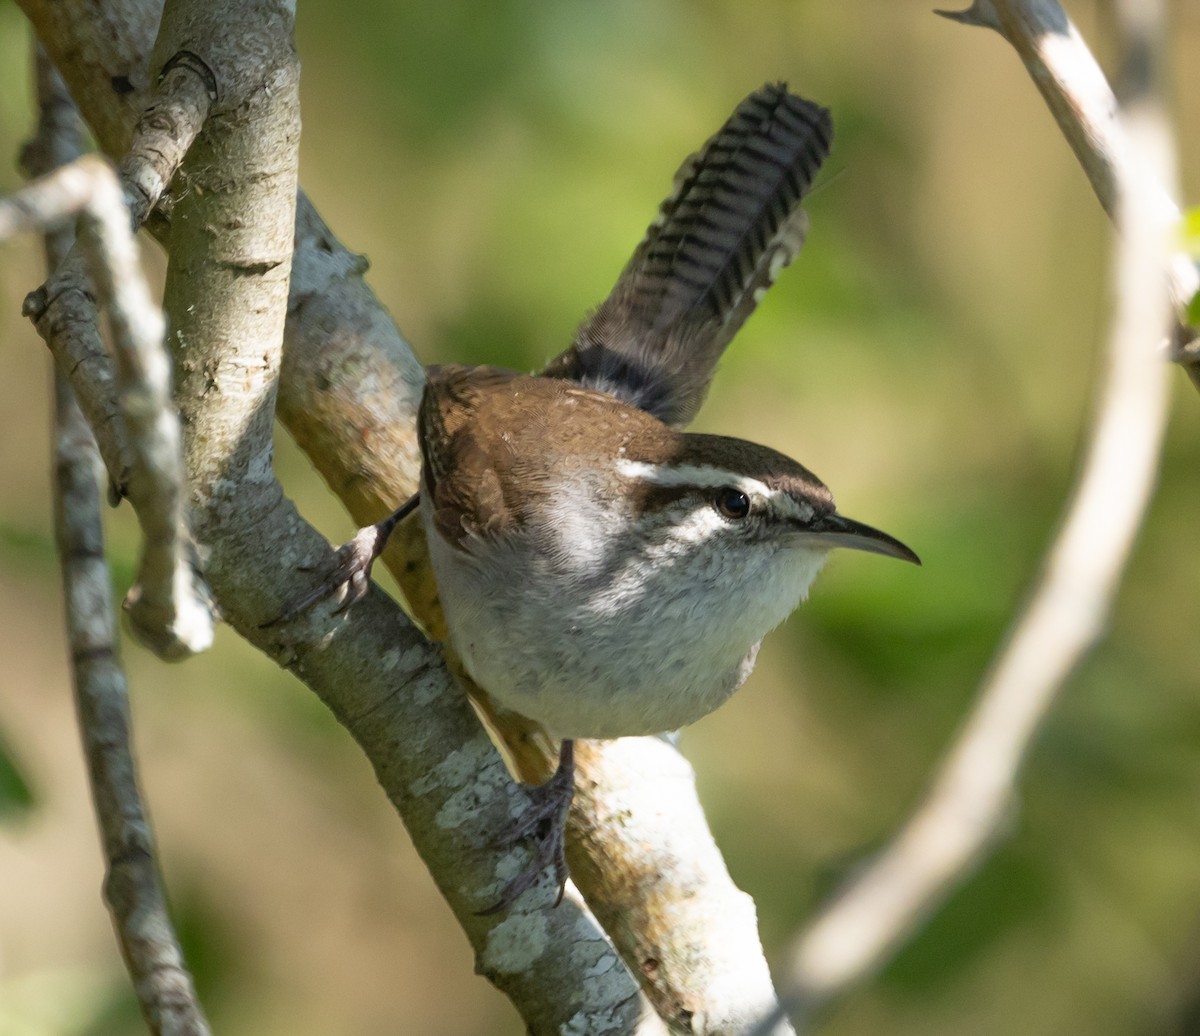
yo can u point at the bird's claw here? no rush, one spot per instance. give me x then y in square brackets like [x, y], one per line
[351, 572]
[545, 821]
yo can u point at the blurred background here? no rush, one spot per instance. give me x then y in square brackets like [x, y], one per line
[931, 355]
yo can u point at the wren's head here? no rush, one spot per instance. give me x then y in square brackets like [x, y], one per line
[741, 524]
[737, 492]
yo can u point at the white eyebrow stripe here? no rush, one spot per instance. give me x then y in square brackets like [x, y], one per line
[704, 476]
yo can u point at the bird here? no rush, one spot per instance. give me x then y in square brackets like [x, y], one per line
[586, 562]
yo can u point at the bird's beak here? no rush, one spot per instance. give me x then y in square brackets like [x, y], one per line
[837, 531]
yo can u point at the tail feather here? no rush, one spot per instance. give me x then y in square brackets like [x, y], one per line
[719, 241]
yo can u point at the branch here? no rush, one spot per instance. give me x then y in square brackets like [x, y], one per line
[132, 888]
[184, 91]
[973, 791]
[63, 309]
[168, 605]
[659, 886]
[1082, 103]
[228, 294]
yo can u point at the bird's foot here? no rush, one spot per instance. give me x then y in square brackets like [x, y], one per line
[351, 568]
[544, 821]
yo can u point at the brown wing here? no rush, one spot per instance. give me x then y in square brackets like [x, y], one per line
[496, 444]
[458, 453]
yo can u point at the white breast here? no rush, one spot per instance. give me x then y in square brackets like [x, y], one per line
[596, 647]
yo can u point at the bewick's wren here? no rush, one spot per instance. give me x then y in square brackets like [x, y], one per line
[600, 571]
[604, 573]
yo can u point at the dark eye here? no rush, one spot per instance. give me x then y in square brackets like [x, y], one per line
[732, 503]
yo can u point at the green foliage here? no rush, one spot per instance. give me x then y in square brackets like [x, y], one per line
[17, 798]
[1013, 888]
[1190, 230]
[1191, 239]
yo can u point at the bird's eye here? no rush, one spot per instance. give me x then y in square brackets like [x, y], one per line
[732, 503]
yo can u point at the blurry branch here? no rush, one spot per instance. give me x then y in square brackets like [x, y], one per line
[132, 889]
[348, 391]
[1082, 103]
[974, 788]
[178, 105]
[63, 309]
[168, 605]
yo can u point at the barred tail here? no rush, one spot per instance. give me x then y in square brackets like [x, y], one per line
[719, 241]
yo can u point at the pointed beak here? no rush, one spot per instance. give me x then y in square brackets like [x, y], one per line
[837, 531]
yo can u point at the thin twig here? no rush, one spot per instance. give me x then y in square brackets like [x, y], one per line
[1082, 103]
[179, 104]
[168, 605]
[132, 888]
[63, 308]
[973, 790]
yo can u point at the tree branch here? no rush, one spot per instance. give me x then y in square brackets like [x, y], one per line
[659, 886]
[973, 790]
[132, 888]
[228, 297]
[1082, 103]
[168, 605]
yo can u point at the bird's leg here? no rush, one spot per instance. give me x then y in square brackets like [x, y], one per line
[351, 565]
[545, 821]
